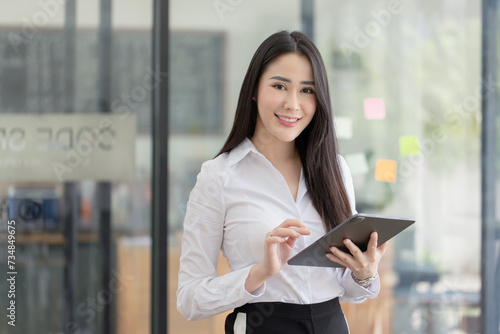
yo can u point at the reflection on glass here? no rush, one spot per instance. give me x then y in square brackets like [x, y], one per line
[404, 78]
[423, 62]
[63, 282]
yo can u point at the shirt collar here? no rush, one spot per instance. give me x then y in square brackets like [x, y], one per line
[245, 147]
[241, 151]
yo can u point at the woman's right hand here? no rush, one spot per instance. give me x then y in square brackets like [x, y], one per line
[278, 248]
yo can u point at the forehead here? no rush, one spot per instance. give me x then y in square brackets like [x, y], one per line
[292, 66]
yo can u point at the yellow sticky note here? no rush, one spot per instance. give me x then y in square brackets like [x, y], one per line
[408, 145]
[386, 170]
[374, 108]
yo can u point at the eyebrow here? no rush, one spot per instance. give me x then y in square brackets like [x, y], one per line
[277, 77]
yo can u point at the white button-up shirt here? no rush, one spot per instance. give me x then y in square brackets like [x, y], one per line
[238, 198]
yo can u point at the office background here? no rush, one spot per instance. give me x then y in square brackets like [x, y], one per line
[108, 109]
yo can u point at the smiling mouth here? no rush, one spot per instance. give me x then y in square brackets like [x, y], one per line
[286, 119]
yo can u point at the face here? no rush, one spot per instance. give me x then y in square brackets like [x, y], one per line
[286, 99]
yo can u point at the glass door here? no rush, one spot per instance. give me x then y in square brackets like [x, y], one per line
[75, 166]
[406, 86]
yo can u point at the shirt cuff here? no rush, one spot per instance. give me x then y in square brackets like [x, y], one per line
[257, 293]
[241, 295]
[356, 293]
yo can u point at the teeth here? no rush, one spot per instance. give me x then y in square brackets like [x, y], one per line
[288, 119]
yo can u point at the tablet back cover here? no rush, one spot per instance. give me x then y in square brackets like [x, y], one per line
[357, 228]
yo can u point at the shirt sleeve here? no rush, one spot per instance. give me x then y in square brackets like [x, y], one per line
[353, 292]
[201, 292]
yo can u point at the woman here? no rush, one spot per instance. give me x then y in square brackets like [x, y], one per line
[276, 186]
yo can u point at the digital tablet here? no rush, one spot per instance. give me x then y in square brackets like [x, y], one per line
[358, 229]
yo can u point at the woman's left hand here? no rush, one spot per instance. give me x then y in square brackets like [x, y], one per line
[362, 264]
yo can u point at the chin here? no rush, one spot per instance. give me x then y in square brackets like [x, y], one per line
[288, 139]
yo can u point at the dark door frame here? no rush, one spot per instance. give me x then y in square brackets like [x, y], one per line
[489, 233]
[159, 231]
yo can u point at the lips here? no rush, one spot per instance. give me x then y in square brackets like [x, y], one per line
[287, 121]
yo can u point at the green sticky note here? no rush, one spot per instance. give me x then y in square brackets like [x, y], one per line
[409, 145]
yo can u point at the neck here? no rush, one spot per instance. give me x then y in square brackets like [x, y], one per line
[275, 150]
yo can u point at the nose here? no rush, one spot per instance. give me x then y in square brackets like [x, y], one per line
[291, 102]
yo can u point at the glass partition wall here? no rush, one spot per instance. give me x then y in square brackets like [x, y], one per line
[76, 147]
[75, 166]
[405, 80]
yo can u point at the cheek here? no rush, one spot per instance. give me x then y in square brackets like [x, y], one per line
[310, 107]
[268, 100]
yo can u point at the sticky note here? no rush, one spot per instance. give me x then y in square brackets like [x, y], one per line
[357, 163]
[374, 108]
[343, 127]
[408, 145]
[386, 170]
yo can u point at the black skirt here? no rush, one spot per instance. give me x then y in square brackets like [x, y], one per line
[276, 318]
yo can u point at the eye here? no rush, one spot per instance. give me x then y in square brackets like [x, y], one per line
[279, 86]
[308, 90]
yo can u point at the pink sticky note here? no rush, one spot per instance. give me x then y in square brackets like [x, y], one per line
[374, 108]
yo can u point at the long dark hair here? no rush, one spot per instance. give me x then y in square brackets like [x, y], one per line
[317, 144]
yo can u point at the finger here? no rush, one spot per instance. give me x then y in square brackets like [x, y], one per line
[334, 258]
[355, 251]
[273, 239]
[373, 243]
[285, 232]
[302, 230]
[382, 248]
[288, 232]
[340, 255]
[291, 242]
[292, 223]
